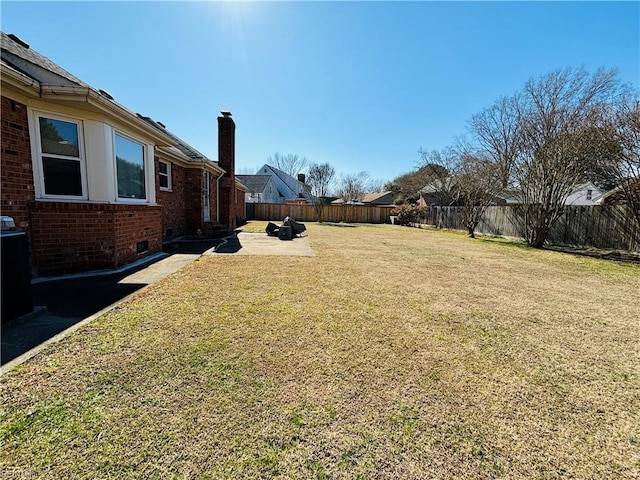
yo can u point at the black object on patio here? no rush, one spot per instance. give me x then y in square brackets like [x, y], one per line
[296, 227]
[289, 229]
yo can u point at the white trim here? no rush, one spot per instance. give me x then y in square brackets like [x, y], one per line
[168, 175]
[206, 194]
[218, 198]
[33, 119]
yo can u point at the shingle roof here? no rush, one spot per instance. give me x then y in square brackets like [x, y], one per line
[284, 176]
[33, 64]
[19, 56]
[255, 183]
[372, 197]
[183, 146]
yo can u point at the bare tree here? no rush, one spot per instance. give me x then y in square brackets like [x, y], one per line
[439, 169]
[476, 185]
[555, 112]
[622, 125]
[246, 170]
[291, 164]
[352, 187]
[319, 179]
[497, 132]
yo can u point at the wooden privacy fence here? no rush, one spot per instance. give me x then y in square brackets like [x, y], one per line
[330, 213]
[607, 227]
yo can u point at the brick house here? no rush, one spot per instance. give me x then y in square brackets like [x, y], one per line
[94, 185]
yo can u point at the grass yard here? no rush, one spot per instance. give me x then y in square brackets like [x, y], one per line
[394, 353]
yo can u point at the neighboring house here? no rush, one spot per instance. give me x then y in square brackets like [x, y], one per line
[585, 194]
[371, 199]
[618, 196]
[94, 185]
[291, 190]
[431, 194]
[260, 189]
[508, 198]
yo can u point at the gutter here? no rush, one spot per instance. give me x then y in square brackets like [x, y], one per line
[104, 104]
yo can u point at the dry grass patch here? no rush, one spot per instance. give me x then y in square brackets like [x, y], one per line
[394, 353]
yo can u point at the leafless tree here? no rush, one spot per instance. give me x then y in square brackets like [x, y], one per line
[476, 184]
[496, 131]
[440, 168]
[622, 125]
[556, 111]
[320, 178]
[291, 164]
[352, 187]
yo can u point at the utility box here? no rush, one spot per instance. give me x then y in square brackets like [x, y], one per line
[16, 276]
[285, 233]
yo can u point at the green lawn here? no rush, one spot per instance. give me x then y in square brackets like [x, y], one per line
[394, 353]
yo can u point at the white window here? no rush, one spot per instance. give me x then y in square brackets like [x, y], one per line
[61, 162]
[164, 174]
[205, 197]
[130, 168]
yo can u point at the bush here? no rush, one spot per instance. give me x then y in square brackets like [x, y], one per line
[408, 214]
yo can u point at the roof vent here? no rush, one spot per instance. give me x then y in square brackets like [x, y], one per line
[17, 40]
[225, 113]
[106, 94]
[161, 124]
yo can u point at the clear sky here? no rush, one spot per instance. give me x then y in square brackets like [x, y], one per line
[361, 85]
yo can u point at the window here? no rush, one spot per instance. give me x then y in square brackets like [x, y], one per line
[61, 157]
[205, 196]
[589, 194]
[130, 168]
[164, 173]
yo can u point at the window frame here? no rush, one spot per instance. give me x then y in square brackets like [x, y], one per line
[206, 193]
[39, 155]
[145, 165]
[168, 175]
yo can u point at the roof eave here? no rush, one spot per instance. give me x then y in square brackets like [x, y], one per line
[105, 105]
[19, 80]
[185, 161]
[241, 186]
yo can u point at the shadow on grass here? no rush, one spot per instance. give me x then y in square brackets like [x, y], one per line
[591, 252]
[333, 224]
[600, 254]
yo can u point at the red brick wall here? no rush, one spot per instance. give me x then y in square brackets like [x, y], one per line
[238, 204]
[16, 168]
[79, 237]
[133, 225]
[193, 200]
[226, 160]
[174, 212]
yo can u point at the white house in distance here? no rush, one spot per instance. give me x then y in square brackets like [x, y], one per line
[585, 194]
[261, 189]
[290, 190]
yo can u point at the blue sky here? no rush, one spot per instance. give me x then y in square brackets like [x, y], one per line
[361, 85]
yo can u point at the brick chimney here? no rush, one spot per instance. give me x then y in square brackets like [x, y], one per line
[227, 161]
